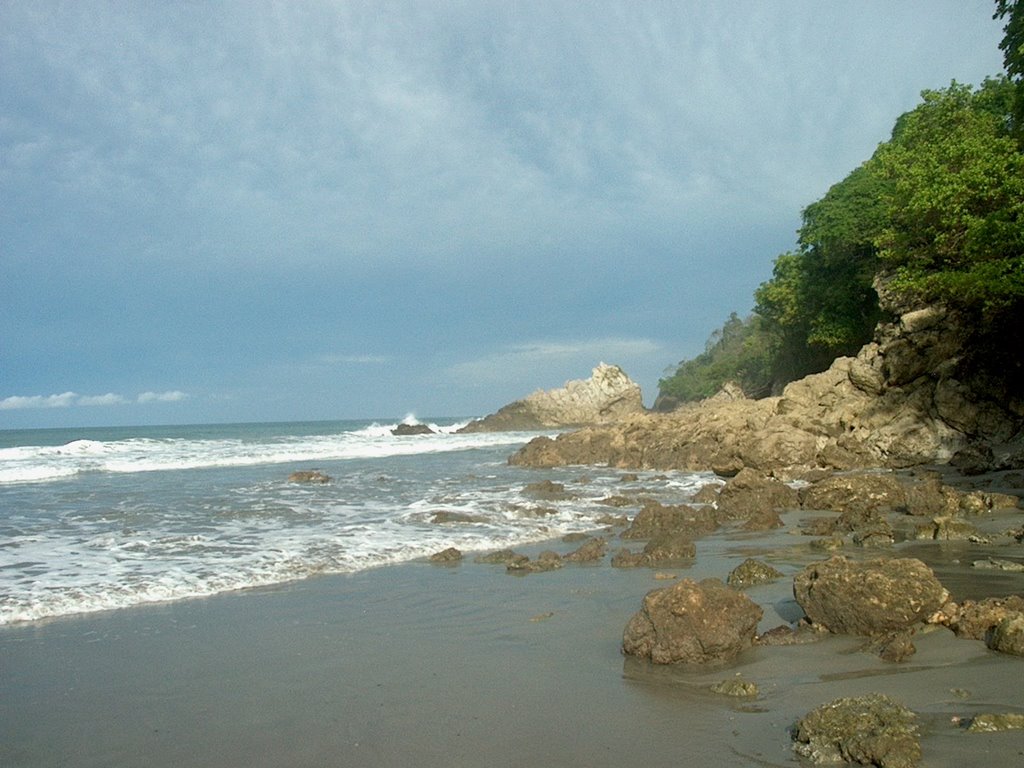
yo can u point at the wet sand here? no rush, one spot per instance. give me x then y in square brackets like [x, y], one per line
[466, 665]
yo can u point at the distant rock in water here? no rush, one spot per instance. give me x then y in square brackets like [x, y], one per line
[412, 429]
[313, 476]
[606, 397]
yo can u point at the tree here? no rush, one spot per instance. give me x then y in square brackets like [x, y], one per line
[955, 201]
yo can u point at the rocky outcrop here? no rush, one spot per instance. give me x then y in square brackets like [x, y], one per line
[311, 476]
[862, 730]
[898, 403]
[692, 622]
[607, 396]
[871, 597]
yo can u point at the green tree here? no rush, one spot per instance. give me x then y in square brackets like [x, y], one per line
[955, 201]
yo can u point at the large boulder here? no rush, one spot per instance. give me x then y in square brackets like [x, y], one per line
[609, 395]
[692, 622]
[865, 730]
[870, 597]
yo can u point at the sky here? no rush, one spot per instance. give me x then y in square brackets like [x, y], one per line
[265, 211]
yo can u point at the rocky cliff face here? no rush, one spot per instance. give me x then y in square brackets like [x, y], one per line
[609, 395]
[902, 401]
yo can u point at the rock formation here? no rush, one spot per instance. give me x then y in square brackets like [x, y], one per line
[862, 730]
[896, 404]
[607, 396]
[692, 622]
[868, 598]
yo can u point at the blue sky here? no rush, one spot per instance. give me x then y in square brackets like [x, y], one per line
[246, 211]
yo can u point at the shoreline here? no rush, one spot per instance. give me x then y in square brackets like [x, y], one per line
[464, 665]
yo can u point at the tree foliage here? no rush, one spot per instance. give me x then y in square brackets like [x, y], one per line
[938, 209]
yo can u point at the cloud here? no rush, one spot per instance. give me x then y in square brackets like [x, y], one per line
[172, 396]
[108, 399]
[73, 399]
[353, 359]
[531, 360]
[19, 402]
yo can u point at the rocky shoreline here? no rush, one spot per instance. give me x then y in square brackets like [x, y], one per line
[877, 451]
[861, 585]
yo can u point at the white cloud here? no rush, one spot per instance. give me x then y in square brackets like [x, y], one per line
[543, 360]
[171, 396]
[73, 399]
[108, 399]
[18, 402]
[354, 359]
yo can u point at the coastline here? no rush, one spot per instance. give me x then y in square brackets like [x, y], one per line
[462, 665]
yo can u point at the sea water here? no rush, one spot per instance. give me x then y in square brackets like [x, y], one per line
[99, 519]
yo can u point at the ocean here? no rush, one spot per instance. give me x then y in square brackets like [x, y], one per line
[101, 519]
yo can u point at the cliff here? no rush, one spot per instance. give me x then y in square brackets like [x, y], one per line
[904, 400]
[609, 395]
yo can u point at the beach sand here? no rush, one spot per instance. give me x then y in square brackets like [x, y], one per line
[466, 665]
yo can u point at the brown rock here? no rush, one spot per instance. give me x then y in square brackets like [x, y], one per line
[1008, 635]
[868, 598]
[866, 730]
[313, 476]
[975, 619]
[692, 622]
[751, 494]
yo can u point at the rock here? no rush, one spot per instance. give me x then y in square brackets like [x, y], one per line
[868, 598]
[312, 476]
[447, 517]
[546, 561]
[751, 493]
[751, 572]
[866, 730]
[991, 722]
[692, 622]
[1008, 635]
[446, 556]
[893, 646]
[656, 519]
[589, 551]
[663, 550]
[999, 564]
[547, 490]
[404, 429]
[859, 493]
[499, 557]
[607, 396]
[903, 401]
[786, 635]
[735, 687]
[949, 528]
[975, 619]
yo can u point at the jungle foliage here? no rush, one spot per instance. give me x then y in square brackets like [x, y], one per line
[937, 211]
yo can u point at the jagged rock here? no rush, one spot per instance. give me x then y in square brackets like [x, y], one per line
[750, 494]
[312, 476]
[692, 622]
[893, 646]
[735, 687]
[589, 551]
[663, 550]
[547, 490]
[752, 572]
[447, 517]
[499, 557]
[867, 730]
[412, 429]
[897, 404]
[656, 519]
[546, 561]
[860, 492]
[446, 556]
[870, 597]
[1008, 635]
[975, 619]
[994, 722]
[607, 396]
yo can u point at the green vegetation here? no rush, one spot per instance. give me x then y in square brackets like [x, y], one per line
[937, 211]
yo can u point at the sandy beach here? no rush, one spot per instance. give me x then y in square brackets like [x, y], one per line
[466, 665]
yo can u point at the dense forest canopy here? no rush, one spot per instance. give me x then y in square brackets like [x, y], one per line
[937, 213]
